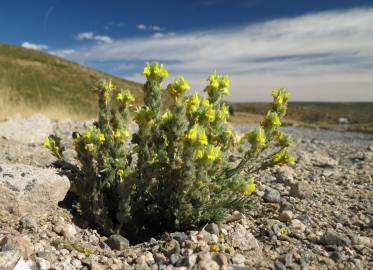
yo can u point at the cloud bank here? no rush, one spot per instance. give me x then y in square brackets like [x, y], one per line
[326, 56]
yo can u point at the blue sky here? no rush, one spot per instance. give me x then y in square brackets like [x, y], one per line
[320, 50]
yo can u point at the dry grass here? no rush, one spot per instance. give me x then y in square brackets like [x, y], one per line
[11, 104]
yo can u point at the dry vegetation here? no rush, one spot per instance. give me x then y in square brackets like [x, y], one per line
[33, 81]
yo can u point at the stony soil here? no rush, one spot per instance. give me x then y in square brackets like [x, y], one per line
[316, 215]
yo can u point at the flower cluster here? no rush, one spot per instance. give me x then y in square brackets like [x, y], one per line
[125, 98]
[218, 85]
[178, 87]
[155, 71]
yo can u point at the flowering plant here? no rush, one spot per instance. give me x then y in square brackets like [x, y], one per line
[176, 171]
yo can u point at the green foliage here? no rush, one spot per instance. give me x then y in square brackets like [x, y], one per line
[175, 171]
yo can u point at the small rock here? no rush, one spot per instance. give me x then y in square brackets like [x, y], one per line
[37, 192]
[96, 266]
[8, 259]
[301, 190]
[272, 196]
[17, 243]
[238, 259]
[363, 240]
[191, 260]
[172, 247]
[212, 228]
[28, 222]
[68, 231]
[206, 262]
[297, 226]
[118, 242]
[331, 237]
[279, 265]
[179, 236]
[149, 258]
[94, 240]
[174, 258]
[21, 265]
[160, 258]
[285, 216]
[244, 240]
[76, 263]
[285, 174]
[42, 264]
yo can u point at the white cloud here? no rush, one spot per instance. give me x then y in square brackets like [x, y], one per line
[92, 36]
[104, 39]
[34, 46]
[84, 35]
[319, 56]
[141, 26]
[158, 35]
[156, 28]
[64, 53]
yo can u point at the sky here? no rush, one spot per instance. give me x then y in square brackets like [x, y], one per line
[321, 50]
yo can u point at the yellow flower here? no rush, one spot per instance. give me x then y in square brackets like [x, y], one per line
[183, 83]
[199, 153]
[46, 142]
[88, 134]
[213, 152]
[290, 159]
[146, 71]
[89, 147]
[194, 100]
[225, 81]
[166, 116]
[85, 251]
[154, 69]
[275, 120]
[249, 187]
[126, 133]
[224, 109]
[214, 248]
[260, 137]
[121, 172]
[214, 80]
[271, 119]
[210, 114]
[117, 134]
[225, 91]
[101, 137]
[284, 231]
[159, 70]
[202, 138]
[192, 133]
[192, 103]
[178, 86]
[205, 102]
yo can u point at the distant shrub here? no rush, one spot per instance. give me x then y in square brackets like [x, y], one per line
[175, 171]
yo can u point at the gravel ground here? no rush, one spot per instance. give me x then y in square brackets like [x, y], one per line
[315, 215]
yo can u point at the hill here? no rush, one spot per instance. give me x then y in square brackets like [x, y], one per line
[33, 81]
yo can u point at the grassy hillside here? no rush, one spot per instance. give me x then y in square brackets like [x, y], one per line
[36, 81]
[360, 115]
